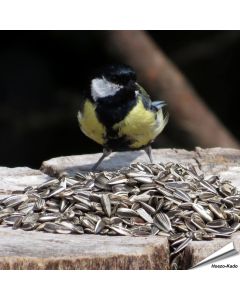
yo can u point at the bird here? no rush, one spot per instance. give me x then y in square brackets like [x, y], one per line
[117, 113]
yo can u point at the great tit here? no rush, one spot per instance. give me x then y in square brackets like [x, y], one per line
[118, 114]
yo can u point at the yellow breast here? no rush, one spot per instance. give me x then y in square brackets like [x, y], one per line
[140, 126]
[90, 124]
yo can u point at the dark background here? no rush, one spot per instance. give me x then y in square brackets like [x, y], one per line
[42, 75]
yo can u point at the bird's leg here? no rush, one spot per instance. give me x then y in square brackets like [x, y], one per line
[148, 150]
[106, 152]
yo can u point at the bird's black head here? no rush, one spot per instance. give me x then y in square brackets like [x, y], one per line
[112, 82]
[119, 74]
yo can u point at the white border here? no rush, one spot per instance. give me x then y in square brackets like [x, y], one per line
[119, 14]
[119, 285]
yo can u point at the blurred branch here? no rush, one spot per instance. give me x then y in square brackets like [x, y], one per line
[206, 48]
[164, 80]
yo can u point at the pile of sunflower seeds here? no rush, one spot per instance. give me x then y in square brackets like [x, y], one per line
[144, 199]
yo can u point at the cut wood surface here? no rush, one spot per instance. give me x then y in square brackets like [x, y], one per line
[17, 179]
[37, 250]
[220, 161]
[199, 250]
[72, 164]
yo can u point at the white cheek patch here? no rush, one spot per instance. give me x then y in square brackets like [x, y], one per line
[100, 88]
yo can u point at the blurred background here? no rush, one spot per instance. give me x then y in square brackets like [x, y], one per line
[43, 73]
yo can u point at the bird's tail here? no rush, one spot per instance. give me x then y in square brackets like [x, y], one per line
[159, 104]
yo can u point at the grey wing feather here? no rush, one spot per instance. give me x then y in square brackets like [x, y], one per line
[161, 107]
[159, 104]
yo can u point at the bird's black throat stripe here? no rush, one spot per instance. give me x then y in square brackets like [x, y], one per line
[118, 144]
[122, 144]
[113, 109]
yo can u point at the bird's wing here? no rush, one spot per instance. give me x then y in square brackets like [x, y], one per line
[161, 110]
[144, 97]
[159, 107]
[142, 91]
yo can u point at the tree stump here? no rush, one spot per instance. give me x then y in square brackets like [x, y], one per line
[36, 250]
